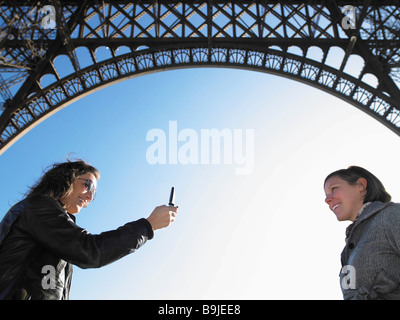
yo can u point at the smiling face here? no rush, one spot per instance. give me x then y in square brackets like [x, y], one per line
[344, 199]
[80, 196]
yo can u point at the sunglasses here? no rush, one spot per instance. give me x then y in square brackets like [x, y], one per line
[89, 186]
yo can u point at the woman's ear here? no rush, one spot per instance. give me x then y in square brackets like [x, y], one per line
[362, 183]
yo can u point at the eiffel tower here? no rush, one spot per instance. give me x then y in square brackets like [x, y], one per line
[55, 52]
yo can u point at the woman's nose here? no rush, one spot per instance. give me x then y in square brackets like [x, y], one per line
[89, 195]
[328, 199]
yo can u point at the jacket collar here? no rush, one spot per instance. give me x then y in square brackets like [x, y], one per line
[372, 209]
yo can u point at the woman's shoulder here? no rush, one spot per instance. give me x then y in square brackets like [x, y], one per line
[390, 214]
[43, 200]
[393, 207]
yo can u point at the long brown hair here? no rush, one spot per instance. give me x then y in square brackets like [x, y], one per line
[56, 182]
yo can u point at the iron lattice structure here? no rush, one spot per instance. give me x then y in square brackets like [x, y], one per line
[95, 43]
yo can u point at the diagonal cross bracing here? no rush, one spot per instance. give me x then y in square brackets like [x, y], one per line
[271, 36]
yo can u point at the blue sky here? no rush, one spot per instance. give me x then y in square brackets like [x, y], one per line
[266, 235]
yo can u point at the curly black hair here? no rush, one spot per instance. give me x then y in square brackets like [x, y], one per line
[56, 182]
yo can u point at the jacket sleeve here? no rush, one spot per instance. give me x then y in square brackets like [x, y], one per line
[54, 229]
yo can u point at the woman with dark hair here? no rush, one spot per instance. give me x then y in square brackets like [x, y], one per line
[371, 258]
[39, 239]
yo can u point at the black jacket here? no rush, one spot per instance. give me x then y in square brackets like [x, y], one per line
[39, 242]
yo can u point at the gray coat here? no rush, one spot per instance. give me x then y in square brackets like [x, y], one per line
[371, 257]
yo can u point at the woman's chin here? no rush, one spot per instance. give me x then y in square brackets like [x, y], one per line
[74, 209]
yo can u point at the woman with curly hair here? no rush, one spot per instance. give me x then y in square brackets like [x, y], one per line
[39, 239]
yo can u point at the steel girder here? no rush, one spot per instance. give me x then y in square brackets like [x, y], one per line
[101, 42]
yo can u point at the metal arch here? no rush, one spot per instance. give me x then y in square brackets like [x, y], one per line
[244, 38]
